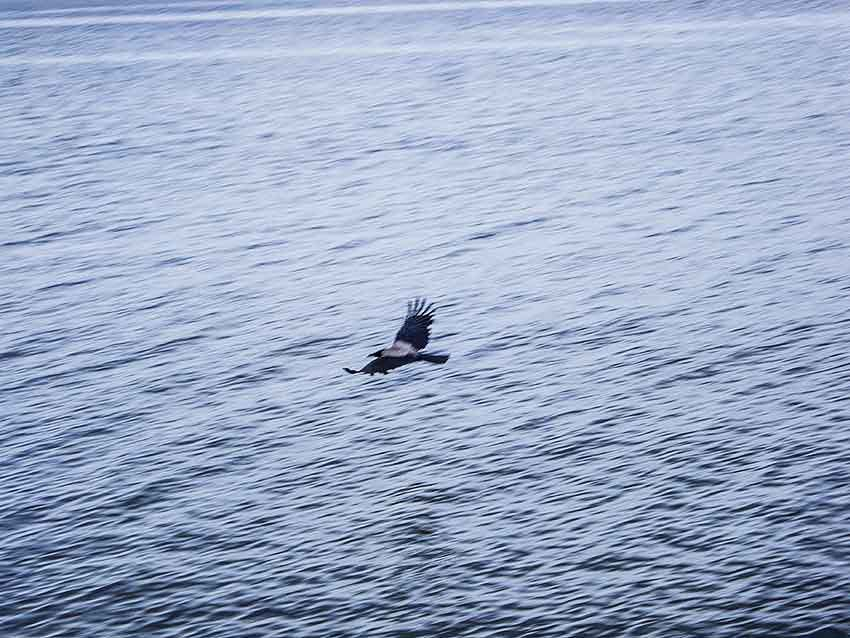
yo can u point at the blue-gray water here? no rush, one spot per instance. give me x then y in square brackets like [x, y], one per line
[634, 216]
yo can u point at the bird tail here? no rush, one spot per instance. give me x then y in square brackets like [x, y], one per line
[432, 358]
[350, 371]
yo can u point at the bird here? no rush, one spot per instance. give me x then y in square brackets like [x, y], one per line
[409, 341]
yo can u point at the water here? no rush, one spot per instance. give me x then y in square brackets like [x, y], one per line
[634, 216]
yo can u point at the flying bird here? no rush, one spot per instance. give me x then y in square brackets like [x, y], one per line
[409, 341]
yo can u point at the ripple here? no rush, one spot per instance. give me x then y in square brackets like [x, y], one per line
[641, 281]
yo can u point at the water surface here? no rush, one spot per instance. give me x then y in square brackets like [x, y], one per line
[633, 214]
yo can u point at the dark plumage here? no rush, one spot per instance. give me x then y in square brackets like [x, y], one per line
[414, 336]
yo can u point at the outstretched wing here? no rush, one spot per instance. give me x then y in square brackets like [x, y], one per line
[416, 329]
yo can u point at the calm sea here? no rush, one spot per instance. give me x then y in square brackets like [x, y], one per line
[634, 216]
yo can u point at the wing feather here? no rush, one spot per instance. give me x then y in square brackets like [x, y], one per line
[416, 329]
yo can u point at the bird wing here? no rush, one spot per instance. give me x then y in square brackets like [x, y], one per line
[416, 329]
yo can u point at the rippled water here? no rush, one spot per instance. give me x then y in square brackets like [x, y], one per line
[634, 216]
